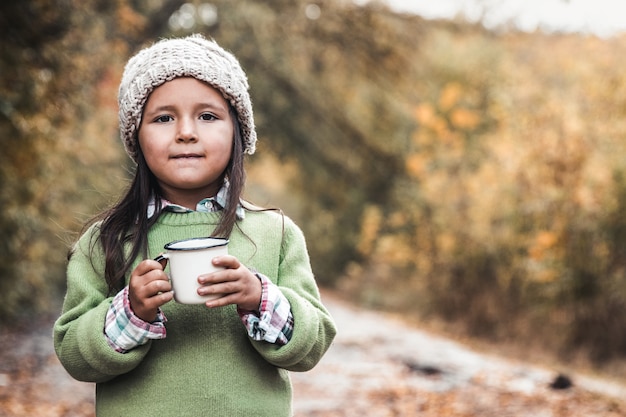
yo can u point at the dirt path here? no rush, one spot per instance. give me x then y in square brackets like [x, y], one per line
[377, 366]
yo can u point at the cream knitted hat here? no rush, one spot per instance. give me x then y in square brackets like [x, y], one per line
[193, 56]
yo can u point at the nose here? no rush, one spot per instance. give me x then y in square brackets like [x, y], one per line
[186, 130]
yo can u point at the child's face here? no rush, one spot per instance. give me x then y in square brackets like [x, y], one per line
[186, 137]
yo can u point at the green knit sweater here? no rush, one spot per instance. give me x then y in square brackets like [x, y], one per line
[207, 365]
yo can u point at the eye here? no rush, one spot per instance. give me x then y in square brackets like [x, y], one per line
[164, 119]
[208, 117]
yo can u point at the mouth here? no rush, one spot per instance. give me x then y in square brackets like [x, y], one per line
[187, 156]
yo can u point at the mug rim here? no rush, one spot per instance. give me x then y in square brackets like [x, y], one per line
[215, 242]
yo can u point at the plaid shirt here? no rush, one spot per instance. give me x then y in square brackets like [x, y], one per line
[273, 322]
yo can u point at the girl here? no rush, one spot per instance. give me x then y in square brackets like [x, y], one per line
[186, 120]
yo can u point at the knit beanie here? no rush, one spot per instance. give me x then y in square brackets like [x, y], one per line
[192, 56]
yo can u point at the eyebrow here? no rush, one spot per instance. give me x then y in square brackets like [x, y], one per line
[218, 106]
[202, 105]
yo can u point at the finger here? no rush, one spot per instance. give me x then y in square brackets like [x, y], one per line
[138, 283]
[146, 266]
[223, 275]
[223, 301]
[226, 261]
[149, 284]
[222, 287]
[164, 297]
[159, 286]
[156, 301]
[157, 263]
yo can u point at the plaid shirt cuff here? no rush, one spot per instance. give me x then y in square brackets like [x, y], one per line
[273, 322]
[125, 331]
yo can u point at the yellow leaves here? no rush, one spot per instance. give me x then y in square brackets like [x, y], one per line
[376, 242]
[129, 20]
[450, 96]
[428, 118]
[445, 120]
[446, 242]
[543, 253]
[416, 165]
[370, 227]
[543, 242]
[272, 175]
[425, 114]
[464, 119]
[394, 250]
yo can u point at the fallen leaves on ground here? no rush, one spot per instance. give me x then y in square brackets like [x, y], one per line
[377, 367]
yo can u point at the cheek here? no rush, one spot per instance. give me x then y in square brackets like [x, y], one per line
[149, 143]
[224, 145]
[226, 153]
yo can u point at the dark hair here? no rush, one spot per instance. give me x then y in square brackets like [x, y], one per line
[127, 222]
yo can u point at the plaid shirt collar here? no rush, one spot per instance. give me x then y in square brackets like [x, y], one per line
[206, 205]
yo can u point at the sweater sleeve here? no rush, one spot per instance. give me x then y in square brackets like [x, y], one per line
[79, 339]
[313, 328]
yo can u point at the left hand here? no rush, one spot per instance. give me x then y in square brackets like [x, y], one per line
[237, 284]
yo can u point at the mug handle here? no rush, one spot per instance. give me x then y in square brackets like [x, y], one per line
[162, 259]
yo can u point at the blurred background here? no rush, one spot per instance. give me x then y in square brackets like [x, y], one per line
[466, 170]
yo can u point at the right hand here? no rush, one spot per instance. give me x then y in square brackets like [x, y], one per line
[149, 289]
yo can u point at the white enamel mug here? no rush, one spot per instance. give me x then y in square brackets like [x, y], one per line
[188, 259]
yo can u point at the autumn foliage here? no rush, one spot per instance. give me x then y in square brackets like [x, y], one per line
[509, 218]
[437, 168]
